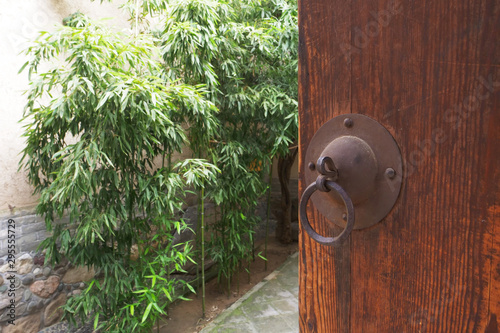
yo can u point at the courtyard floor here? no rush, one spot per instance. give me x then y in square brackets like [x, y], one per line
[270, 306]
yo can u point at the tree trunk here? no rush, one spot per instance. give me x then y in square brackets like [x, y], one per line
[284, 227]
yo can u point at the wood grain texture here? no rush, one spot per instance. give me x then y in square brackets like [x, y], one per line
[324, 89]
[430, 72]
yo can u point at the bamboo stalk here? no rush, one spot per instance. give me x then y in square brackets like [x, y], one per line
[268, 212]
[203, 251]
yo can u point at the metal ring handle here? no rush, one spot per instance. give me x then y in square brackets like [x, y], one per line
[329, 241]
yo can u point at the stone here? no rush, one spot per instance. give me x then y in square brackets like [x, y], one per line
[20, 310]
[39, 260]
[61, 271]
[77, 292]
[3, 288]
[28, 279]
[23, 265]
[62, 263]
[5, 268]
[2, 262]
[60, 327]
[82, 285]
[46, 271]
[4, 303]
[34, 305]
[37, 271]
[78, 274]
[17, 282]
[134, 252]
[45, 288]
[61, 287]
[1, 280]
[30, 323]
[27, 295]
[18, 295]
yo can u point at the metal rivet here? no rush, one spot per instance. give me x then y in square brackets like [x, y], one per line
[312, 166]
[348, 122]
[389, 172]
[344, 217]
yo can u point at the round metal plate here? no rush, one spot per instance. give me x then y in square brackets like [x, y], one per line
[383, 188]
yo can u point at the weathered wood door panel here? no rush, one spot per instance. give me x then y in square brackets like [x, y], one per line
[429, 71]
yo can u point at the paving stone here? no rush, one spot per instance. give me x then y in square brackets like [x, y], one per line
[272, 325]
[269, 307]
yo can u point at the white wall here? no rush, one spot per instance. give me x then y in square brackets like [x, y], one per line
[20, 22]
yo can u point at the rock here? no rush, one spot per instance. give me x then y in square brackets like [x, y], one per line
[45, 288]
[78, 274]
[37, 271]
[28, 279]
[39, 260]
[27, 324]
[62, 263]
[61, 287]
[23, 265]
[5, 302]
[82, 285]
[4, 268]
[3, 288]
[77, 292]
[27, 295]
[1, 280]
[2, 262]
[34, 305]
[20, 310]
[46, 271]
[53, 312]
[61, 271]
[59, 327]
[17, 282]
[134, 252]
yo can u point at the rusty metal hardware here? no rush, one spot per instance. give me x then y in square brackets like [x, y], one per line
[324, 183]
[358, 159]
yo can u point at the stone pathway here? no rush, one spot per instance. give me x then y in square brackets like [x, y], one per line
[269, 307]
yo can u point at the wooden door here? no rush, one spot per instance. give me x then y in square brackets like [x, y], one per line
[429, 71]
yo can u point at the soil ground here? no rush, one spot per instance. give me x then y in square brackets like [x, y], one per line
[186, 316]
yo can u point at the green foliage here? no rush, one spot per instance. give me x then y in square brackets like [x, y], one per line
[97, 122]
[105, 121]
[246, 54]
